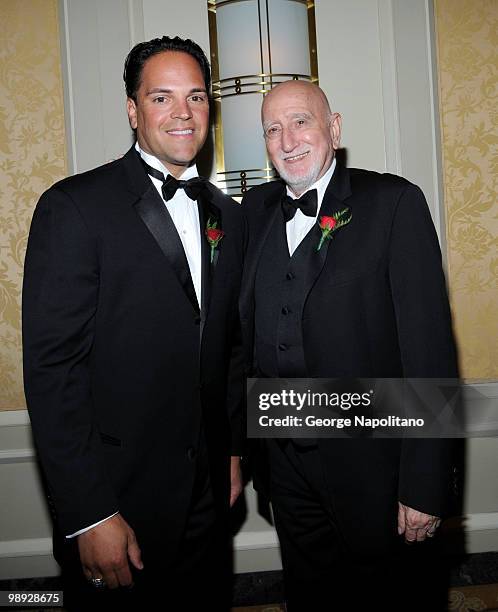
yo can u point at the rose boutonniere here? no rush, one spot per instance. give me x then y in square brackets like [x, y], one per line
[329, 225]
[213, 235]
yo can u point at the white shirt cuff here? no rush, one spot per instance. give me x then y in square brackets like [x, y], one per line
[77, 533]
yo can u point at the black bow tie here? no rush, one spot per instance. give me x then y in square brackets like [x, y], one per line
[193, 187]
[307, 203]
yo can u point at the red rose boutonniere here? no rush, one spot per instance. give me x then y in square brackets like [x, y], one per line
[213, 235]
[329, 225]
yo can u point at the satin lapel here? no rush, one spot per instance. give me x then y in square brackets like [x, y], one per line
[208, 211]
[267, 214]
[333, 201]
[156, 217]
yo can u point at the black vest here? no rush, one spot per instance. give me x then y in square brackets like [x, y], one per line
[279, 303]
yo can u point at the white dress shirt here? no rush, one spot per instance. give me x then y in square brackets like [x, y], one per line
[185, 215]
[300, 224]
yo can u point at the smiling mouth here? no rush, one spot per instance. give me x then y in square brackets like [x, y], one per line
[180, 132]
[296, 158]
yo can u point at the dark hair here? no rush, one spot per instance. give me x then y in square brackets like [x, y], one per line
[140, 53]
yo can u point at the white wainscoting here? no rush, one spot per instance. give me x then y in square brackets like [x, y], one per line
[25, 530]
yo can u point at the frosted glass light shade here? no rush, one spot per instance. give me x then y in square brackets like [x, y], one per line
[255, 44]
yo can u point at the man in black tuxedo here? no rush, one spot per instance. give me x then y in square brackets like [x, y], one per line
[371, 303]
[132, 357]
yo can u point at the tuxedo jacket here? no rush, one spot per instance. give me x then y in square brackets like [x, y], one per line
[124, 371]
[375, 305]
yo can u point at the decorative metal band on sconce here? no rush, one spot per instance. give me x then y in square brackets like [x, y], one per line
[255, 44]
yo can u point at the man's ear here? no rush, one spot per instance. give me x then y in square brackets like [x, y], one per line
[131, 109]
[335, 130]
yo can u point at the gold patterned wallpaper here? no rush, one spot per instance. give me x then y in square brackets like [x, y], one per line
[467, 44]
[32, 157]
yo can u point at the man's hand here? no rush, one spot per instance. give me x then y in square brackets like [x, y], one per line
[235, 480]
[416, 525]
[105, 550]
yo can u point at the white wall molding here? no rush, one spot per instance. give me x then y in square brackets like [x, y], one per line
[95, 39]
[439, 214]
[12, 418]
[136, 21]
[30, 547]
[472, 392]
[29, 558]
[483, 521]
[390, 103]
[251, 540]
[480, 408]
[16, 455]
[488, 388]
[24, 552]
[416, 99]
[69, 118]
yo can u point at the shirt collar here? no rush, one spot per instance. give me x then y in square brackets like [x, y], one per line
[189, 172]
[320, 185]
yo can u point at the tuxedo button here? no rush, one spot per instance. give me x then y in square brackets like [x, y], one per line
[285, 310]
[191, 453]
[197, 320]
[282, 347]
[289, 276]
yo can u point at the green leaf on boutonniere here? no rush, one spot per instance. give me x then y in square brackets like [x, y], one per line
[213, 235]
[330, 224]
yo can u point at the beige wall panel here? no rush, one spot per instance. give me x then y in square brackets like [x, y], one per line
[32, 157]
[467, 41]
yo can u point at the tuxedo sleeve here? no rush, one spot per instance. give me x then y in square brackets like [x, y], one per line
[426, 343]
[236, 396]
[60, 295]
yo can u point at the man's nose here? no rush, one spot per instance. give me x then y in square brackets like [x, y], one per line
[181, 110]
[288, 141]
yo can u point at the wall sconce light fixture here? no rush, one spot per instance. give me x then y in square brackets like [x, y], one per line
[255, 44]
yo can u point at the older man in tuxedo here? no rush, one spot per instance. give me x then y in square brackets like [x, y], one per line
[372, 303]
[132, 357]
